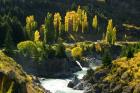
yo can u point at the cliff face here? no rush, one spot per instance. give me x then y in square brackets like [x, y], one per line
[13, 77]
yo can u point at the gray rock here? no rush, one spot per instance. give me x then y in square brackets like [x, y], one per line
[79, 86]
[127, 89]
[137, 89]
[74, 82]
[125, 76]
[117, 89]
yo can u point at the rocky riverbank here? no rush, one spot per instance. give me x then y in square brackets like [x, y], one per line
[121, 77]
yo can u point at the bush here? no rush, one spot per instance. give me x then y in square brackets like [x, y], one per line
[32, 49]
[60, 51]
[129, 50]
[27, 48]
[77, 52]
[106, 59]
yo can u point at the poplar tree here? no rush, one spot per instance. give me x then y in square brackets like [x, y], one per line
[57, 24]
[110, 33]
[95, 22]
[36, 36]
[31, 25]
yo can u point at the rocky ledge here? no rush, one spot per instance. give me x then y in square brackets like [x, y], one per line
[14, 80]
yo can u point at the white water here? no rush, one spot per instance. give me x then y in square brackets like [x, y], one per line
[78, 63]
[60, 85]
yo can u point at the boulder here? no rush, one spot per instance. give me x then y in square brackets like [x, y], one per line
[127, 89]
[74, 82]
[137, 89]
[117, 89]
[79, 86]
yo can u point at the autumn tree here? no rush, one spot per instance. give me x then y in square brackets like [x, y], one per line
[36, 36]
[75, 20]
[84, 21]
[110, 33]
[31, 25]
[95, 22]
[57, 24]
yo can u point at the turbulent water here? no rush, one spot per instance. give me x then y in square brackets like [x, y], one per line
[60, 85]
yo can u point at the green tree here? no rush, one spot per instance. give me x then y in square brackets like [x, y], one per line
[9, 44]
[106, 59]
[49, 29]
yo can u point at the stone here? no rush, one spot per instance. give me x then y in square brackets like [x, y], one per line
[117, 89]
[127, 89]
[74, 82]
[137, 89]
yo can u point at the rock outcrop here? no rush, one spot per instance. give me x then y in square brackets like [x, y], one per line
[13, 77]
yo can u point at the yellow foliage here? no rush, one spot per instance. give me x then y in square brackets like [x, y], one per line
[110, 33]
[131, 66]
[98, 47]
[76, 52]
[57, 21]
[36, 36]
[74, 19]
[30, 26]
[95, 22]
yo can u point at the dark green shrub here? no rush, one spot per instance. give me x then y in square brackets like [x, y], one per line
[106, 59]
[129, 50]
[60, 51]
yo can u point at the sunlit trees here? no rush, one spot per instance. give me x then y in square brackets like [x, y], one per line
[110, 33]
[57, 21]
[31, 25]
[84, 21]
[75, 20]
[95, 22]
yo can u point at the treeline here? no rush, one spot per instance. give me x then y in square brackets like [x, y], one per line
[56, 27]
[20, 9]
[40, 40]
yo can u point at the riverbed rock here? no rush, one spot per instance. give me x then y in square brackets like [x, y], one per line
[73, 82]
[79, 86]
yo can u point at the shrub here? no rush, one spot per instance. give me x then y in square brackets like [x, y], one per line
[129, 50]
[27, 48]
[106, 59]
[77, 52]
[32, 49]
[60, 51]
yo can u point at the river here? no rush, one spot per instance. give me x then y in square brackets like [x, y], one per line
[60, 85]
